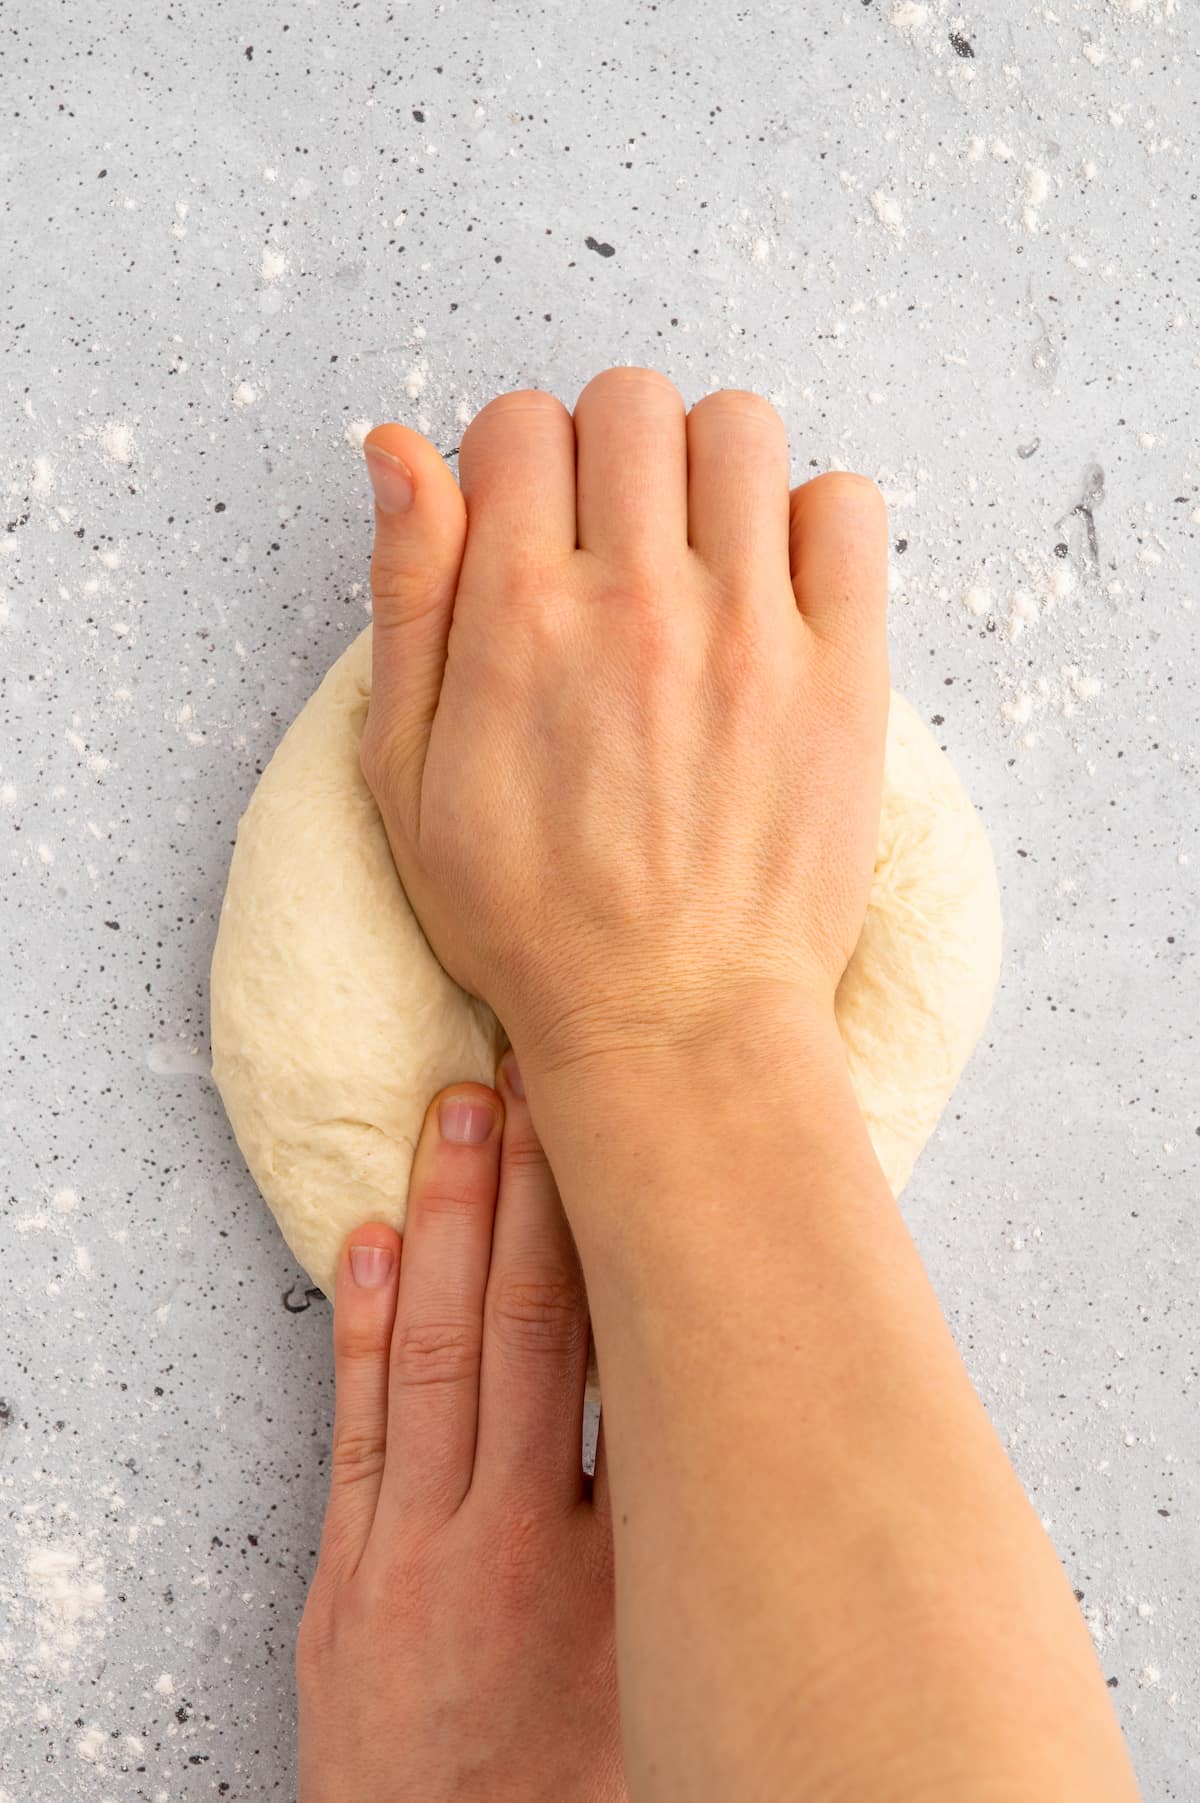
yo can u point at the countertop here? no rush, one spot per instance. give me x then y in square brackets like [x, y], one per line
[959, 253]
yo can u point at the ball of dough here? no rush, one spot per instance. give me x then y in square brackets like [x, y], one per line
[333, 1024]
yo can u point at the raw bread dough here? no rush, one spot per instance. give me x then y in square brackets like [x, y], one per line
[333, 1023]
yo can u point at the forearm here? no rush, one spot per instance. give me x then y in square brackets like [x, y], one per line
[837, 1517]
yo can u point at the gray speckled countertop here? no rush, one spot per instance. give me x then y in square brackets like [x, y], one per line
[959, 253]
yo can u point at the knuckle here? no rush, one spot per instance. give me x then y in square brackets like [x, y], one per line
[358, 1453]
[447, 1197]
[316, 1637]
[358, 1342]
[539, 1311]
[379, 759]
[523, 1152]
[404, 591]
[435, 1354]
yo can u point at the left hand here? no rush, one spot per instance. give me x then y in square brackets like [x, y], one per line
[457, 1643]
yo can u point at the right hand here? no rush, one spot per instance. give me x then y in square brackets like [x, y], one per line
[628, 712]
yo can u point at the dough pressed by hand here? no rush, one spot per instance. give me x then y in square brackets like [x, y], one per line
[333, 1024]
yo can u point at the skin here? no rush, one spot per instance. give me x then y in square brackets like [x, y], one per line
[626, 734]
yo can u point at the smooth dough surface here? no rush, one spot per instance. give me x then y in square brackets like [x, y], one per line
[333, 1024]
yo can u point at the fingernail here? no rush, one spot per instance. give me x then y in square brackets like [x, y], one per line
[391, 479]
[370, 1266]
[512, 1074]
[464, 1122]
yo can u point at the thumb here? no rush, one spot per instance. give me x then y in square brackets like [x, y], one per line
[420, 531]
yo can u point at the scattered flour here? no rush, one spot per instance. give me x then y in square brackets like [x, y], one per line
[68, 1596]
[414, 382]
[1058, 581]
[888, 213]
[1037, 191]
[165, 1685]
[1018, 709]
[1148, 1677]
[909, 15]
[91, 1744]
[116, 442]
[66, 1201]
[43, 476]
[1023, 612]
[356, 431]
[977, 601]
[273, 265]
[244, 395]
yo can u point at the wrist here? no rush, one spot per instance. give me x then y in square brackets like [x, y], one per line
[757, 1032]
[767, 1079]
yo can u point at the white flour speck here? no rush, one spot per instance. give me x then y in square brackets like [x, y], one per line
[68, 1596]
[1148, 1677]
[66, 1201]
[1058, 581]
[165, 1685]
[90, 1744]
[414, 382]
[356, 431]
[244, 395]
[1018, 710]
[888, 213]
[273, 264]
[1037, 190]
[1023, 612]
[116, 443]
[909, 15]
[45, 854]
[43, 476]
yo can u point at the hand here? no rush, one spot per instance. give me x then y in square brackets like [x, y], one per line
[628, 711]
[457, 1642]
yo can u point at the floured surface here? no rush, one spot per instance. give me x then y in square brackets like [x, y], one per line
[183, 554]
[333, 1023]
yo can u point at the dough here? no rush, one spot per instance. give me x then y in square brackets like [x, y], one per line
[333, 1024]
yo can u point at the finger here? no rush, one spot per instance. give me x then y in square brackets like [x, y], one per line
[420, 528]
[364, 1309]
[738, 484]
[601, 1496]
[535, 1338]
[433, 1376]
[516, 464]
[839, 549]
[631, 469]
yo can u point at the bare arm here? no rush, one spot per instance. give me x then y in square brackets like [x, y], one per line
[829, 1582]
[626, 733]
